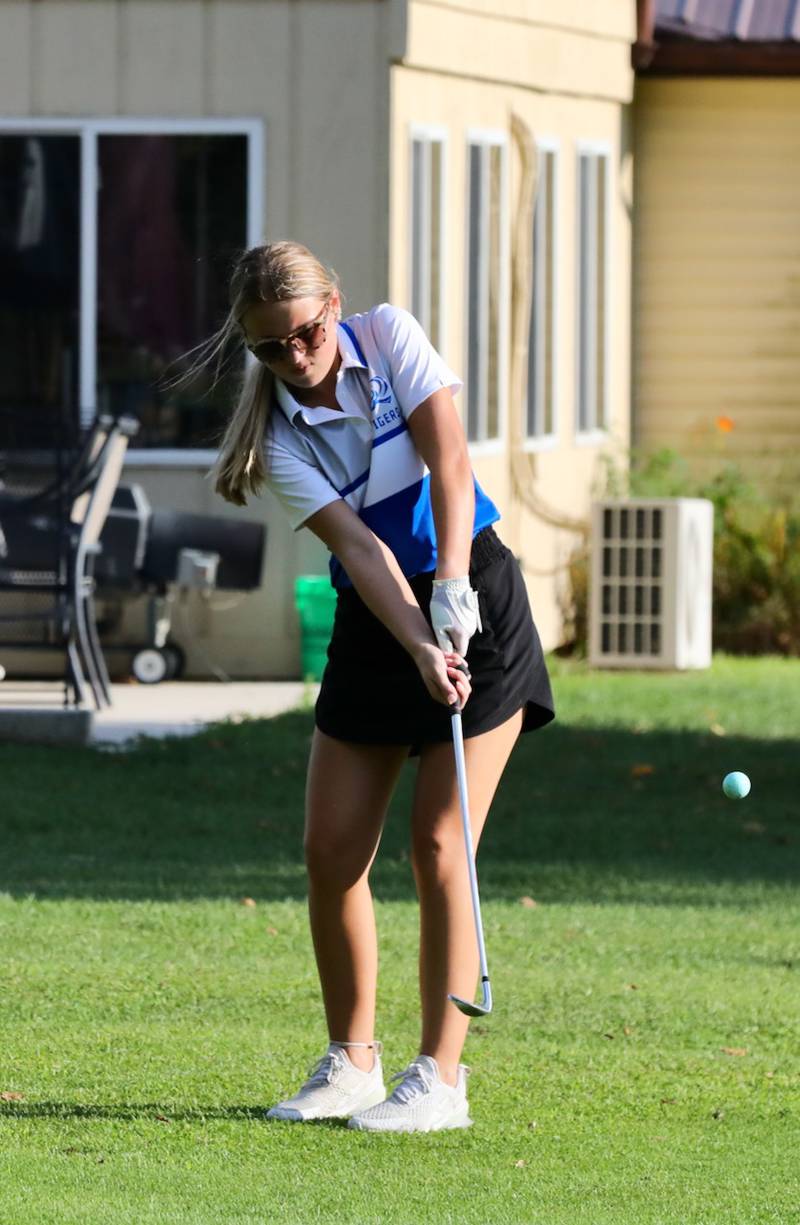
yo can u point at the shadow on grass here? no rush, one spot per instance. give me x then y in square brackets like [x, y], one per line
[582, 814]
[161, 1112]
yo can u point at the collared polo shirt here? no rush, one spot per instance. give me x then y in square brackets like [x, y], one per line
[363, 452]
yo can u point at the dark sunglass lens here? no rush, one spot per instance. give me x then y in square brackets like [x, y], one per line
[268, 351]
[311, 337]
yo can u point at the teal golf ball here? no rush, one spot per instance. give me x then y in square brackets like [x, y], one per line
[736, 785]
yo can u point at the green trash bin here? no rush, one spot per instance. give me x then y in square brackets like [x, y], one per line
[316, 603]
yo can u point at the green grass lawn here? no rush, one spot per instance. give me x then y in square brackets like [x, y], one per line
[641, 1066]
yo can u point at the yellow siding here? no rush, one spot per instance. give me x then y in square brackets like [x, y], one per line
[717, 273]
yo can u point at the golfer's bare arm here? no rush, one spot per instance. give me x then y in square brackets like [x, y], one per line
[439, 438]
[374, 572]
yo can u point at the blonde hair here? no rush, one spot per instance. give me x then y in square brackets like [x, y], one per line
[275, 272]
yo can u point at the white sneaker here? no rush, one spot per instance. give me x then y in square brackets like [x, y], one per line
[421, 1102]
[335, 1089]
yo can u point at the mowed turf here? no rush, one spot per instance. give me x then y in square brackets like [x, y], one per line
[641, 1066]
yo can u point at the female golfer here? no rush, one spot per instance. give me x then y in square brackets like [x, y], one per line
[352, 426]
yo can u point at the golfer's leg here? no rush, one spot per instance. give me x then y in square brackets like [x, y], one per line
[448, 945]
[347, 794]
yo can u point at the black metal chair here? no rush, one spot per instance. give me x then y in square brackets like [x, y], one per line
[48, 542]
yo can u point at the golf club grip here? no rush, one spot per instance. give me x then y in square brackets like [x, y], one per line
[456, 708]
[461, 778]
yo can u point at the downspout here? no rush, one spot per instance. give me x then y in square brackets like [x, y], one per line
[645, 47]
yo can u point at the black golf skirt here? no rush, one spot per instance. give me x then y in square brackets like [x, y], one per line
[372, 692]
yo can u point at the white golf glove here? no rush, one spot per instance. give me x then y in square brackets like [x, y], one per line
[454, 613]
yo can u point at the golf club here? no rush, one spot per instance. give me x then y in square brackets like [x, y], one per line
[471, 1010]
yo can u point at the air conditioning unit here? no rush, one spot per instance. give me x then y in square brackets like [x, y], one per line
[650, 591]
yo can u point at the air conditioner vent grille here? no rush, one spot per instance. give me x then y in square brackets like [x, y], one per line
[640, 577]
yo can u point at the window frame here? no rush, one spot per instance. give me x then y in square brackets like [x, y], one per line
[429, 134]
[88, 131]
[548, 441]
[597, 432]
[486, 138]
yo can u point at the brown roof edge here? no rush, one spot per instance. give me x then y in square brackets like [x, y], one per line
[719, 59]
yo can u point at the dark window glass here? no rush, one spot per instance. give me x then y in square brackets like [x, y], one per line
[171, 217]
[418, 303]
[39, 287]
[475, 293]
[435, 231]
[540, 412]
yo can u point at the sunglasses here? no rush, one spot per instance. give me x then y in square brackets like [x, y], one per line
[304, 339]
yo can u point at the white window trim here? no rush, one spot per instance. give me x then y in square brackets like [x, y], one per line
[491, 136]
[430, 133]
[598, 434]
[88, 130]
[549, 441]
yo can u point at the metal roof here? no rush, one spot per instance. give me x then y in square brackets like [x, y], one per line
[744, 21]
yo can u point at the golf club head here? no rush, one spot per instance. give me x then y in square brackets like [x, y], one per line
[475, 1010]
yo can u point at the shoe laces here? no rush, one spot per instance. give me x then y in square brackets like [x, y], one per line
[323, 1072]
[415, 1080]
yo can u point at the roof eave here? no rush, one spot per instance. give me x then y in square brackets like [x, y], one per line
[720, 58]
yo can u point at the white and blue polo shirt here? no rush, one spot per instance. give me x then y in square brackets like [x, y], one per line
[364, 452]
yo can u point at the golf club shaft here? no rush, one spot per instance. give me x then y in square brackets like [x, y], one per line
[461, 778]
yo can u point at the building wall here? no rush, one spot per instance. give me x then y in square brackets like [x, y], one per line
[336, 121]
[316, 73]
[717, 288]
[472, 65]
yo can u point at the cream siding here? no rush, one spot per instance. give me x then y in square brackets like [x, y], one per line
[717, 287]
[451, 91]
[487, 44]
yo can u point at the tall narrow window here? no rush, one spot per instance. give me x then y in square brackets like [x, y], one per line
[592, 291]
[486, 287]
[541, 338]
[427, 233]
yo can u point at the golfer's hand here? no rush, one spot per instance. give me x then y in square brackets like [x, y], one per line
[444, 674]
[454, 613]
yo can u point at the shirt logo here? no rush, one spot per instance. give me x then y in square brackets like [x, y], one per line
[382, 401]
[379, 392]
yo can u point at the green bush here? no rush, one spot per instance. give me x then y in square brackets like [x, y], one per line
[756, 585]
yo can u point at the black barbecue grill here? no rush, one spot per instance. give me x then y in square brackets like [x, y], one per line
[157, 553]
